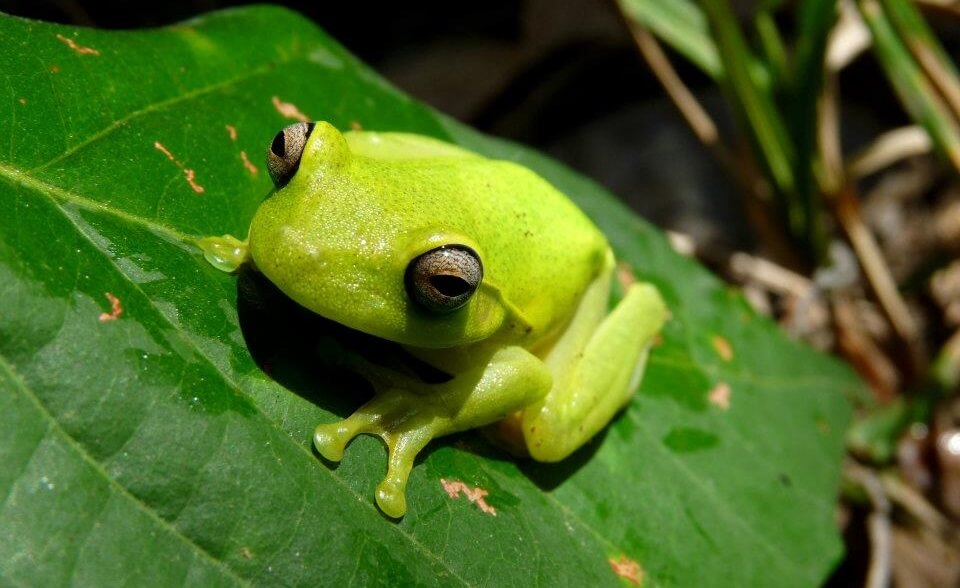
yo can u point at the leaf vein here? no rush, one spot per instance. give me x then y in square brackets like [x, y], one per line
[162, 104]
[54, 425]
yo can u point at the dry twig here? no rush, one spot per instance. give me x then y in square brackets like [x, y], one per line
[878, 574]
[694, 114]
[919, 508]
[878, 274]
[889, 148]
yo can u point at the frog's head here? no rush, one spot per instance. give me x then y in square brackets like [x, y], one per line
[372, 242]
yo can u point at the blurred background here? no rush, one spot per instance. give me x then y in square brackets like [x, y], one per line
[806, 151]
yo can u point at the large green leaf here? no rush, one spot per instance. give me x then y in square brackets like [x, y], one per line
[151, 449]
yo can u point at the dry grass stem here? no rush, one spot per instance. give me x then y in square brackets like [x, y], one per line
[941, 78]
[951, 7]
[828, 136]
[749, 268]
[694, 114]
[878, 274]
[919, 508]
[848, 39]
[859, 347]
[889, 148]
[878, 523]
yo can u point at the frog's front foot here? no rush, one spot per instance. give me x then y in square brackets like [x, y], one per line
[407, 416]
[226, 253]
[405, 431]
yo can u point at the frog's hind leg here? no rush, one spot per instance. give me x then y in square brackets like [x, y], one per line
[596, 365]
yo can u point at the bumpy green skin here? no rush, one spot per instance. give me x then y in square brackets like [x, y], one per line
[536, 342]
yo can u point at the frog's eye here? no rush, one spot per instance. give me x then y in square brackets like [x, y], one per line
[443, 279]
[283, 157]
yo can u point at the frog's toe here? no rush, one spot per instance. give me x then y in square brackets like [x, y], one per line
[403, 448]
[391, 498]
[331, 440]
[226, 253]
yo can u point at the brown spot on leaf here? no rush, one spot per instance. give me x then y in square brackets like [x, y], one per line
[720, 396]
[627, 569]
[454, 488]
[116, 309]
[54, 68]
[22, 100]
[722, 347]
[245, 553]
[159, 146]
[625, 275]
[79, 49]
[189, 174]
[355, 125]
[289, 110]
[246, 164]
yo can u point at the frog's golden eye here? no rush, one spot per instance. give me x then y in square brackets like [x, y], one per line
[283, 157]
[443, 279]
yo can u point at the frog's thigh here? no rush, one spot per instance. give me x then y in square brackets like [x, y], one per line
[407, 419]
[596, 366]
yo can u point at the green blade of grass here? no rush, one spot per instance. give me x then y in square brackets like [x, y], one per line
[918, 96]
[815, 20]
[926, 49]
[755, 106]
[682, 26]
[774, 52]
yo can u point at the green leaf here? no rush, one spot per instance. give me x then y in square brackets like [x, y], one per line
[147, 447]
[682, 25]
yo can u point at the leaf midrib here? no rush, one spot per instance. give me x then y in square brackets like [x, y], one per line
[85, 455]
